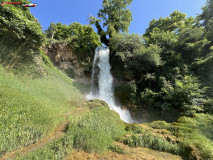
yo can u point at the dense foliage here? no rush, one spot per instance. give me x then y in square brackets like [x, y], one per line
[207, 19]
[82, 38]
[116, 18]
[167, 67]
[20, 33]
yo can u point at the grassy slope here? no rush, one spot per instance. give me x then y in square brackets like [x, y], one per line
[96, 130]
[189, 137]
[92, 131]
[92, 128]
[30, 108]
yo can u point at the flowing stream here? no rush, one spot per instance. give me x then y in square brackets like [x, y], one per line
[102, 83]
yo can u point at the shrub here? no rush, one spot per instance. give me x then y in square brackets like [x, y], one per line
[186, 95]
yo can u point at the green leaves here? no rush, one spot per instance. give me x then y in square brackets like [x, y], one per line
[186, 95]
[126, 43]
[115, 16]
[149, 55]
[19, 30]
[175, 21]
[207, 14]
[127, 92]
[160, 62]
[80, 37]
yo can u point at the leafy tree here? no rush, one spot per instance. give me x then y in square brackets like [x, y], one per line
[58, 31]
[20, 33]
[147, 59]
[125, 44]
[185, 95]
[81, 38]
[127, 92]
[192, 42]
[164, 39]
[209, 33]
[207, 14]
[123, 47]
[159, 63]
[50, 32]
[179, 34]
[173, 23]
[206, 18]
[116, 18]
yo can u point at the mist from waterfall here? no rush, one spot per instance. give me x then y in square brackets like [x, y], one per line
[104, 89]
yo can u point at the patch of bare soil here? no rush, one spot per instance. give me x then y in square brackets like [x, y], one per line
[130, 154]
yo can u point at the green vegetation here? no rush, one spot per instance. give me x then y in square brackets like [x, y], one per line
[116, 17]
[117, 149]
[194, 133]
[21, 34]
[82, 38]
[168, 69]
[30, 108]
[93, 128]
[96, 130]
[161, 140]
[189, 137]
[58, 149]
[207, 20]
[154, 142]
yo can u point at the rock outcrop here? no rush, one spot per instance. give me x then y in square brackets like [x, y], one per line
[64, 58]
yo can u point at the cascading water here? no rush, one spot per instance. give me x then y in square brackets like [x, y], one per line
[104, 90]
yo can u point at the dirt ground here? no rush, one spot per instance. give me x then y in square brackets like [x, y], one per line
[130, 154]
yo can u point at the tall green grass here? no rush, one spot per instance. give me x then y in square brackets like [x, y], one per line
[55, 150]
[197, 133]
[97, 129]
[194, 134]
[30, 108]
[147, 140]
[93, 130]
[146, 137]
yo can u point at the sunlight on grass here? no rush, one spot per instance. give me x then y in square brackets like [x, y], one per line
[30, 108]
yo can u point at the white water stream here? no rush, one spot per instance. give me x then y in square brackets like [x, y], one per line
[104, 89]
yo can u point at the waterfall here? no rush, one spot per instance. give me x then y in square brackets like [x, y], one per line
[104, 89]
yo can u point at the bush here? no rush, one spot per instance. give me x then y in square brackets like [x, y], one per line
[135, 128]
[160, 125]
[127, 93]
[21, 34]
[81, 38]
[186, 95]
[193, 135]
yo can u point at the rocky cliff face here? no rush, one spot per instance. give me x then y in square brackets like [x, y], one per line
[64, 58]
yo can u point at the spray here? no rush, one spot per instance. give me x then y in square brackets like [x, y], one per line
[105, 89]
